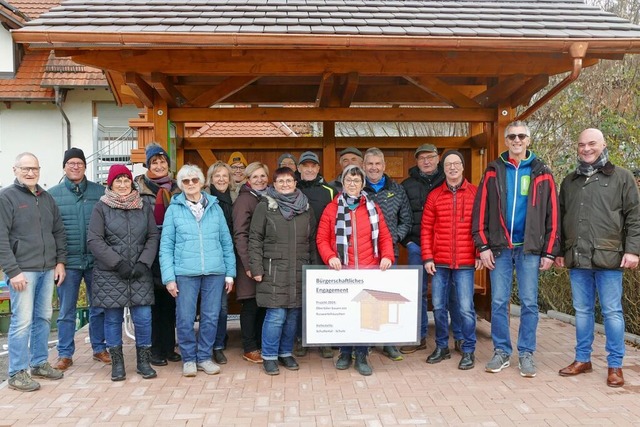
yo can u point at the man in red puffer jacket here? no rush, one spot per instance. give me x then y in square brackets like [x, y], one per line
[449, 255]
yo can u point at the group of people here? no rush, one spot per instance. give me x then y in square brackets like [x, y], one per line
[171, 250]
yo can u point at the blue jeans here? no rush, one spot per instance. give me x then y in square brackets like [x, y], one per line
[141, 316]
[210, 288]
[30, 321]
[526, 267]
[221, 333]
[415, 258]
[68, 296]
[279, 332]
[608, 284]
[447, 281]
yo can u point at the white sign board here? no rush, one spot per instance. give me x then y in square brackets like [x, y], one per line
[361, 307]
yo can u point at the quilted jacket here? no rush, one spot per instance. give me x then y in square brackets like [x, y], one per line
[361, 238]
[76, 202]
[446, 227]
[243, 209]
[192, 248]
[115, 235]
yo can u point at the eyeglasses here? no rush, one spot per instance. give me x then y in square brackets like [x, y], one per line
[75, 164]
[26, 169]
[285, 181]
[521, 136]
[122, 181]
[237, 168]
[187, 181]
[352, 181]
[453, 164]
[429, 157]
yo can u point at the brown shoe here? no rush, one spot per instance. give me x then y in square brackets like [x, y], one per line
[615, 378]
[408, 349]
[63, 363]
[576, 368]
[253, 356]
[103, 357]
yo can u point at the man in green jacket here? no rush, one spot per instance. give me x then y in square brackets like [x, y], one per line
[76, 196]
[600, 211]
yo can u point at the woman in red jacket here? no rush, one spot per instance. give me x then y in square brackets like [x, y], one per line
[447, 244]
[352, 233]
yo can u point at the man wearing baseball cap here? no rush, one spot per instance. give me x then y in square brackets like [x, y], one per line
[348, 156]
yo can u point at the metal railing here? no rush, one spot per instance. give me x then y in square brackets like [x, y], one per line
[111, 144]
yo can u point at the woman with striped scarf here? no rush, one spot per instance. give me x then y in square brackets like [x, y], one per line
[353, 234]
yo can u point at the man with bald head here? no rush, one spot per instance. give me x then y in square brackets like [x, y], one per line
[33, 251]
[600, 211]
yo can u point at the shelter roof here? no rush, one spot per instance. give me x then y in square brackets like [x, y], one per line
[166, 21]
[63, 72]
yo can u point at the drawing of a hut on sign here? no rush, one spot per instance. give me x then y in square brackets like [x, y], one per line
[378, 308]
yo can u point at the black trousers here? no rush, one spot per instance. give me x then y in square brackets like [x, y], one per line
[163, 323]
[251, 320]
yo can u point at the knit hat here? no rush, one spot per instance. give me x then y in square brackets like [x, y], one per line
[286, 156]
[236, 157]
[426, 147]
[117, 170]
[351, 150]
[309, 156]
[154, 150]
[73, 153]
[453, 152]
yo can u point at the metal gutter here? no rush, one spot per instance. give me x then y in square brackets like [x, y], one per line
[64, 115]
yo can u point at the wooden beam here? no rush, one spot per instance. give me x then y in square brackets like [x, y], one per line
[442, 90]
[167, 90]
[332, 114]
[140, 88]
[322, 143]
[223, 90]
[349, 89]
[207, 157]
[500, 92]
[290, 62]
[160, 122]
[523, 95]
[325, 89]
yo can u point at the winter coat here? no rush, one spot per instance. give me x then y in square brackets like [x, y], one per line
[600, 218]
[394, 205]
[542, 227]
[243, 209]
[277, 250]
[320, 194]
[417, 188]
[226, 204]
[32, 234]
[192, 248]
[360, 239]
[76, 203]
[122, 235]
[446, 227]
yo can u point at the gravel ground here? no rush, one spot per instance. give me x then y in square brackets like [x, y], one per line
[4, 358]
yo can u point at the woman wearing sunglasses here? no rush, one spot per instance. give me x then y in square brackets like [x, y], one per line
[196, 259]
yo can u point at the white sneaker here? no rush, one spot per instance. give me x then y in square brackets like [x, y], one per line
[208, 367]
[189, 369]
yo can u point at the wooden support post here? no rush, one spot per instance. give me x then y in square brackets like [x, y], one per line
[160, 119]
[329, 150]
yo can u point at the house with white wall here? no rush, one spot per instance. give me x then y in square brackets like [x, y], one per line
[48, 104]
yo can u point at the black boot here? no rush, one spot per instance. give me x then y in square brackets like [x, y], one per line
[361, 365]
[117, 364]
[143, 356]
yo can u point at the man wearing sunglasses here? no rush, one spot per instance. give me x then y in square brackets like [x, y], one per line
[516, 224]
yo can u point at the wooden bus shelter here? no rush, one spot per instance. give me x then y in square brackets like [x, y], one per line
[478, 63]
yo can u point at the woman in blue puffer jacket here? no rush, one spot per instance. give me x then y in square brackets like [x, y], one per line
[196, 258]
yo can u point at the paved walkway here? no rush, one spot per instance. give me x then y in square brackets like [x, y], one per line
[398, 393]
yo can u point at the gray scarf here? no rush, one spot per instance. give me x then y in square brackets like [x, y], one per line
[290, 205]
